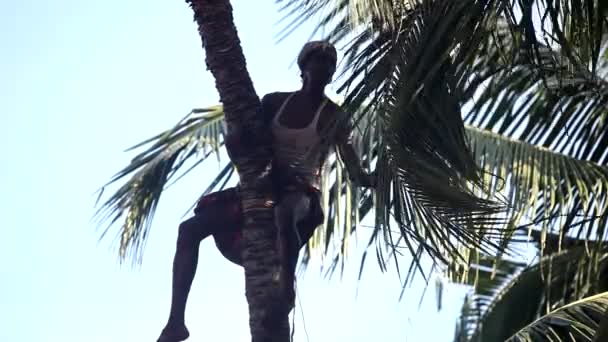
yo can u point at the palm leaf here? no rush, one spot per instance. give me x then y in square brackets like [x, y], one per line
[540, 186]
[575, 322]
[553, 105]
[510, 296]
[344, 203]
[196, 136]
[552, 93]
[543, 186]
[409, 79]
[574, 27]
[503, 53]
[483, 317]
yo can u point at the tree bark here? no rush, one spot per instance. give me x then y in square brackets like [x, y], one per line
[250, 150]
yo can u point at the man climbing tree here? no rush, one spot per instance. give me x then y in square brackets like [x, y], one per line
[251, 153]
[304, 125]
[428, 170]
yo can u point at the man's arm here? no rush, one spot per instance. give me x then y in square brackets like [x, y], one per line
[351, 160]
[268, 107]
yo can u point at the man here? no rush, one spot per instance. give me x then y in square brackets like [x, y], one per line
[304, 125]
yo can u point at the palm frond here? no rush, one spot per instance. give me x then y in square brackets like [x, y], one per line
[344, 204]
[544, 187]
[569, 117]
[189, 143]
[540, 186]
[509, 296]
[408, 77]
[509, 76]
[195, 137]
[575, 322]
[461, 334]
[563, 195]
[549, 96]
[482, 313]
[574, 27]
[503, 301]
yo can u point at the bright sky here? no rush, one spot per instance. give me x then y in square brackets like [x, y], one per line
[80, 81]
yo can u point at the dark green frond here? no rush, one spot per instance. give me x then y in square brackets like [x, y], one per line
[510, 296]
[461, 333]
[344, 203]
[555, 96]
[544, 187]
[576, 322]
[487, 276]
[408, 78]
[503, 300]
[411, 73]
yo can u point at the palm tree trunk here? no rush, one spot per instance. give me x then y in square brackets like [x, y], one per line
[249, 149]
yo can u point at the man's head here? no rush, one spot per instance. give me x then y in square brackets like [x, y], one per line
[317, 61]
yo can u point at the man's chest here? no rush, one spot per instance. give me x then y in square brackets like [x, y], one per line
[298, 113]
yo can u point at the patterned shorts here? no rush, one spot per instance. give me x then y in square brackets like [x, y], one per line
[230, 203]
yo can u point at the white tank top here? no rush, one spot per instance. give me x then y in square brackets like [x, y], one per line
[293, 147]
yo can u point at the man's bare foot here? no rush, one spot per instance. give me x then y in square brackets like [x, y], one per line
[174, 333]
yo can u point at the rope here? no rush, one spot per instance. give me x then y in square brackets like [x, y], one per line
[293, 319]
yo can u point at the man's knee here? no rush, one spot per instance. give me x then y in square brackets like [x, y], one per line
[189, 232]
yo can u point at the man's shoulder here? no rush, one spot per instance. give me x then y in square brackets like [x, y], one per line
[271, 103]
[274, 97]
[337, 112]
[333, 106]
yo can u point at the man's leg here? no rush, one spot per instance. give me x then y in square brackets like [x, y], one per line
[290, 213]
[185, 261]
[220, 214]
[213, 215]
[314, 218]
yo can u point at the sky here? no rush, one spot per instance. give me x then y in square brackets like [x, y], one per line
[80, 82]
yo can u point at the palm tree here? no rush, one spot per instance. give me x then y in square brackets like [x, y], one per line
[249, 149]
[534, 133]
